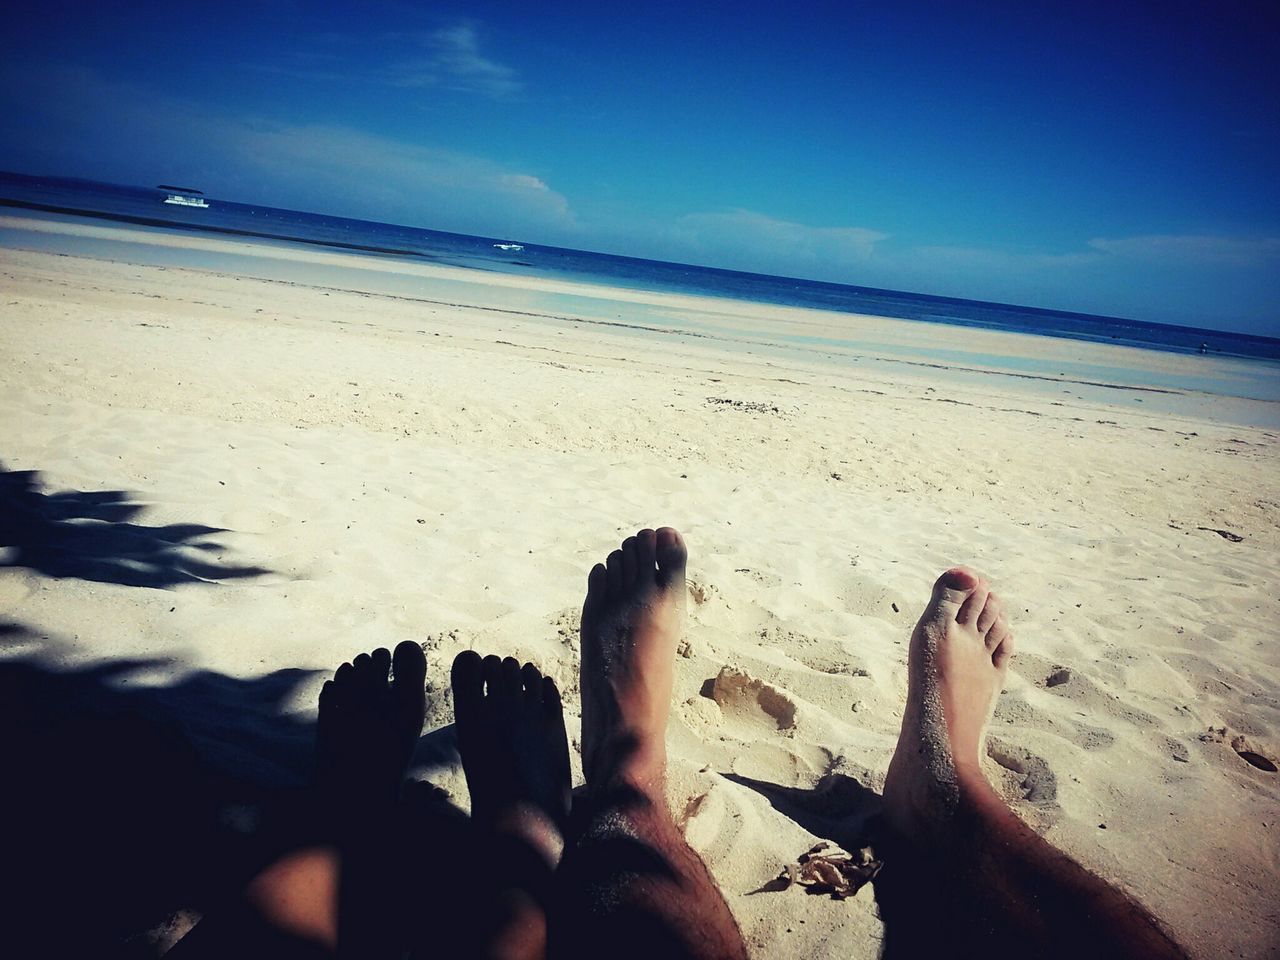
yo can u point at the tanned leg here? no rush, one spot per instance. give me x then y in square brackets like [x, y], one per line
[956, 837]
[631, 885]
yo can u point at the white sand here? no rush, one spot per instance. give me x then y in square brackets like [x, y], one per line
[411, 469]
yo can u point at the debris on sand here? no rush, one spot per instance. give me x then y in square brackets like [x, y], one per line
[1225, 534]
[1059, 676]
[826, 869]
[750, 406]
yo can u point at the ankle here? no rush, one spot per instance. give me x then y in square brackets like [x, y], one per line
[628, 761]
[530, 827]
[973, 786]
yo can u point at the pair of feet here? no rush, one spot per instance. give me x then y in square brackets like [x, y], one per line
[510, 720]
[509, 717]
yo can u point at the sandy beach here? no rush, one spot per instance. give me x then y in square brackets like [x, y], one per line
[388, 451]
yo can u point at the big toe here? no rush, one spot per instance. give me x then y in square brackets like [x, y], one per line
[951, 590]
[671, 556]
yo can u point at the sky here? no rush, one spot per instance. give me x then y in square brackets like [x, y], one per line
[1115, 159]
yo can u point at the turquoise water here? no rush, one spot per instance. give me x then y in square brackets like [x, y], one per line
[144, 205]
[1175, 382]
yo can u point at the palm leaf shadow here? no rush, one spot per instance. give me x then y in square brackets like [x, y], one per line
[96, 536]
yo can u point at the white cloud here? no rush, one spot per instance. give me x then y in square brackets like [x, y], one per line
[757, 241]
[451, 58]
[364, 175]
[91, 126]
[524, 181]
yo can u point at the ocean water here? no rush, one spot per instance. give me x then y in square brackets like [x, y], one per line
[144, 205]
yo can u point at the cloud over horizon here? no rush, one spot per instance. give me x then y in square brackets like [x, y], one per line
[450, 57]
[91, 125]
[271, 162]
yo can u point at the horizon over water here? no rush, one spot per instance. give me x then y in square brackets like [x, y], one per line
[144, 206]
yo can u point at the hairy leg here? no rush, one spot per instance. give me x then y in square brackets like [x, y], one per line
[631, 885]
[956, 837]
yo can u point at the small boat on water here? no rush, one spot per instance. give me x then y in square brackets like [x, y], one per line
[183, 196]
[509, 247]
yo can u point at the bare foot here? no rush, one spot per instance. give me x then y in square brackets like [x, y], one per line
[368, 726]
[514, 750]
[956, 668]
[631, 624]
[365, 734]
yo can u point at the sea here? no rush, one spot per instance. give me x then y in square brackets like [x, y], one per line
[145, 206]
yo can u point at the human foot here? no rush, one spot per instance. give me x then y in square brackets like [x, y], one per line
[958, 660]
[368, 726]
[514, 749]
[631, 624]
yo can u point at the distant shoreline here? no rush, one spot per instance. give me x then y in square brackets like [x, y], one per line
[134, 206]
[206, 228]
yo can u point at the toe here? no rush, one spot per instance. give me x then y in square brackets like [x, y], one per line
[328, 699]
[492, 671]
[531, 678]
[952, 589]
[410, 667]
[987, 618]
[381, 659]
[596, 585]
[551, 696]
[344, 676]
[968, 613]
[512, 683]
[671, 556]
[629, 563]
[999, 630]
[646, 555]
[362, 674]
[614, 568]
[1004, 652]
[467, 678]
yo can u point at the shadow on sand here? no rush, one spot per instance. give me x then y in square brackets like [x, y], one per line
[128, 803]
[924, 911]
[93, 535]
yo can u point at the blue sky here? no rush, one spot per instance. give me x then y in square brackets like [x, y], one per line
[1081, 157]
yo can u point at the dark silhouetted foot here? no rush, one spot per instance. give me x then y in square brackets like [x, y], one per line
[514, 750]
[368, 726]
[957, 663]
[631, 624]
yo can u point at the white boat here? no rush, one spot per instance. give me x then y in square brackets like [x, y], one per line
[184, 196]
[509, 246]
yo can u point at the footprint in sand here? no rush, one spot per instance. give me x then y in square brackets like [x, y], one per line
[1013, 709]
[1247, 749]
[753, 703]
[1032, 777]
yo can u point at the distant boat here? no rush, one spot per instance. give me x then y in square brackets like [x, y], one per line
[509, 246]
[183, 196]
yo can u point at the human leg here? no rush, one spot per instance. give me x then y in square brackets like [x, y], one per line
[328, 898]
[515, 754]
[953, 832]
[629, 881]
